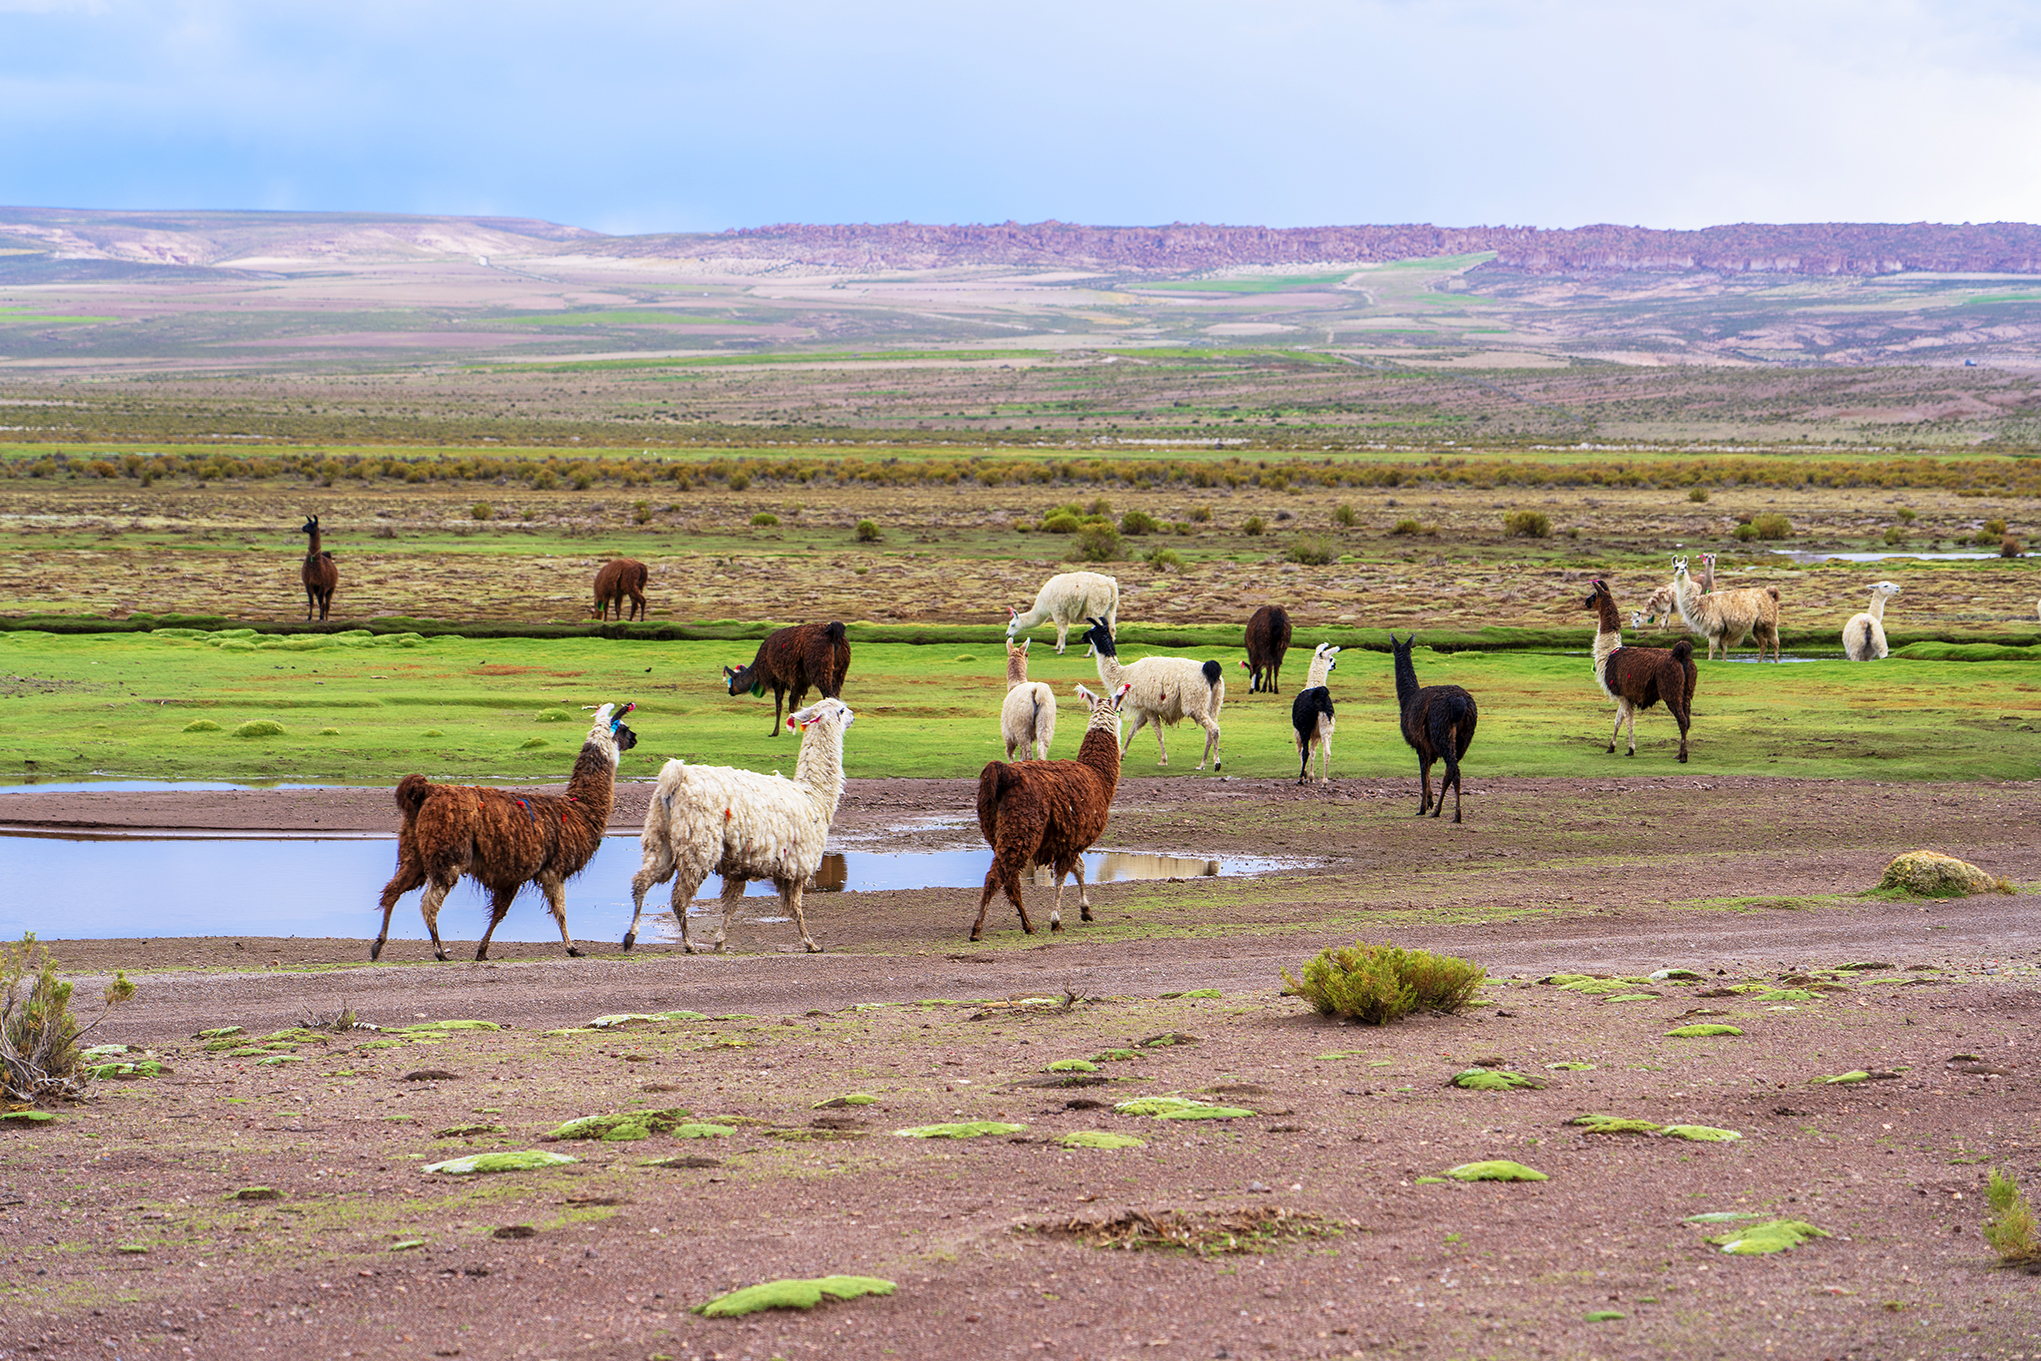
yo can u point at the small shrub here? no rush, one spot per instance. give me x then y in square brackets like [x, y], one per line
[1201, 515]
[1907, 515]
[260, 727]
[1313, 550]
[765, 519]
[1406, 526]
[868, 531]
[641, 512]
[1098, 541]
[2011, 1230]
[1162, 559]
[739, 481]
[1377, 984]
[38, 1034]
[1181, 528]
[1745, 532]
[1771, 525]
[2010, 547]
[482, 511]
[1099, 507]
[1528, 524]
[1139, 522]
[1060, 522]
[545, 480]
[1253, 526]
[1894, 536]
[1698, 494]
[1994, 528]
[200, 725]
[1345, 517]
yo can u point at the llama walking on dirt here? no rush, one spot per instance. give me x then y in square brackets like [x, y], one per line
[319, 573]
[617, 578]
[1438, 723]
[1639, 677]
[505, 840]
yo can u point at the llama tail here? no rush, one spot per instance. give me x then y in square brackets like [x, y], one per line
[993, 782]
[1214, 673]
[412, 792]
[833, 631]
[1683, 650]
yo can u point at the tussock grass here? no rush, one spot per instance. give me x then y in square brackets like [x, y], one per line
[1377, 984]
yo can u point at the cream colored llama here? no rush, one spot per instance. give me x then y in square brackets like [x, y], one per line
[1864, 635]
[1027, 721]
[1726, 618]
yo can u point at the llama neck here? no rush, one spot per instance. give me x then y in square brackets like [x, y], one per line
[592, 787]
[1406, 681]
[1707, 576]
[1016, 672]
[1877, 607]
[1100, 749]
[1321, 667]
[1608, 639]
[1685, 596]
[820, 765]
[313, 551]
[1110, 672]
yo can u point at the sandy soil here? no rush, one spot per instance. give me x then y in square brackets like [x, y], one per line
[1739, 880]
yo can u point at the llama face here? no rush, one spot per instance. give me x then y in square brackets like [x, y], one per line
[821, 709]
[1100, 637]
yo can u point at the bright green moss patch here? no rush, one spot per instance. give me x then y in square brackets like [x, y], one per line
[1605, 1316]
[260, 727]
[792, 1294]
[1072, 1066]
[1774, 1235]
[479, 1164]
[1854, 1075]
[275, 1059]
[701, 1129]
[1499, 1169]
[1180, 1108]
[1115, 1055]
[1494, 1080]
[201, 725]
[622, 1127]
[1701, 1031]
[848, 1099]
[407, 1244]
[132, 1249]
[1597, 987]
[625, 1019]
[28, 1117]
[1098, 1138]
[1701, 1134]
[1571, 1067]
[218, 1032]
[1636, 997]
[1194, 992]
[1611, 1124]
[1434, 1181]
[1930, 874]
[125, 1071]
[1785, 995]
[255, 1193]
[969, 1129]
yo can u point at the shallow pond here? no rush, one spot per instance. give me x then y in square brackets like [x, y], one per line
[208, 885]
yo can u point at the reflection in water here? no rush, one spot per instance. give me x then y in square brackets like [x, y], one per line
[1109, 866]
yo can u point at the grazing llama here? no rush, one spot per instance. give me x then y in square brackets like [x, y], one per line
[1660, 607]
[1027, 721]
[792, 659]
[615, 579]
[1864, 635]
[1639, 677]
[1050, 813]
[1167, 690]
[1065, 599]
[320, 573]
[705, 820]
[1268, 638]
[505, 840]
[1438, 723]
[1311, 718]
[1726, 618]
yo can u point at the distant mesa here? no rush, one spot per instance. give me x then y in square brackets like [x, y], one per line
[78, 242]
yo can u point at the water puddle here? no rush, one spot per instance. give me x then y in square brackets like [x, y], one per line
[30, 784]
[227, 884]
[1816, 555]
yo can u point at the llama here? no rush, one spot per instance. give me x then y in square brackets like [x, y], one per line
[1864, 635]
[1311, 714]
[792, 659]
[1660, 608]
[1438, 723]
[1639, 677]
[1027, 721]
[1268, 638]
[1166, 690]
[1726, 618]
[505, 840]
[320, 573]
[1050, 812]
[1066, 599]
[705, 820]
[616, 579]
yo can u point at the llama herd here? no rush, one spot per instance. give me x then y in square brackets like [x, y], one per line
[1034, 810]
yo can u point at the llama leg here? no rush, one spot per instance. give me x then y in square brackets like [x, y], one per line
[1083, 893]
[407, 877]
[1325, 759]
[732, 900]
[1451, 751]
[499, 908]
[1001, 877]
[790, 896]
[1633, 729]
[428, 907]
[1056, 911]
[556, 902]
[1424, 781]
[656, 868]
[1303, 759]
[1211, 751]
[1063, 632]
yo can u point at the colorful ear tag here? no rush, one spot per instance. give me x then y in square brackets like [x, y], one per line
[616, 720]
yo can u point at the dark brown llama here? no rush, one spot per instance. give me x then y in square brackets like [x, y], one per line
[320, 573]
[1639, 677]
[792, 659]
[1268, 638]
[505, 840]
[617, 578]
[1050, 812]
[1438, 723]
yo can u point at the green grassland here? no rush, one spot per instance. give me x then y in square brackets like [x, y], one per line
[471, 708]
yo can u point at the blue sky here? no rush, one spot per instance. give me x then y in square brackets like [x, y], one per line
[690, 117]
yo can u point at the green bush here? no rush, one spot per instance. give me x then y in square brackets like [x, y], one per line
[1345, 516]
[1252, 526]
[1907, 515]
[2011, 1230]
[1698, 494]
[739, 481]
[1377, 984]
[1771, 525]
[1098, 541]
[1137, 522]
[1894, 536]
[1745, 532]
[765, 519]
[1313, 550]
[1201, 515]
[2010, 547]
[38, 1033]
[641, 512]
[483, 511]
[1528, 524]
[868, 531]
[1162, 559]
[1407, 526]
[1060, 522]
[1993, 529]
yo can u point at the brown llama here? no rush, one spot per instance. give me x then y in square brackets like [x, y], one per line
[792, 659]
[1639, 677]
[320, 573]
[1050, 812]
[1268, 638]
[617, 578]
[505, 840]
[1438, 723]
